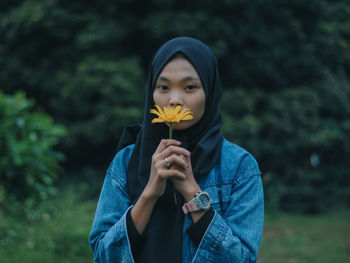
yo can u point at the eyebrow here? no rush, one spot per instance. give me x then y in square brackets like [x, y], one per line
[189, 78]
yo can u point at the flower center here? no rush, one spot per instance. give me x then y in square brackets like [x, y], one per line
[172, 117]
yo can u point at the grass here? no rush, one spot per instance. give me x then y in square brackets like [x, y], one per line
[58, 229]
[306, 239]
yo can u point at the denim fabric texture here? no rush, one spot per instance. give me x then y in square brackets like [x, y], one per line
[234, 234]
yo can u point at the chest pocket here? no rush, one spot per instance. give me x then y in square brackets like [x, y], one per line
[218, 188]
[220, 197]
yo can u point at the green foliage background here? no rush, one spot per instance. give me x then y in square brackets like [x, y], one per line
[28, 163]
[284, 67]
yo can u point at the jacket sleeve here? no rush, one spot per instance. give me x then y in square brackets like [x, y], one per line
[108, 238]
[235, 235]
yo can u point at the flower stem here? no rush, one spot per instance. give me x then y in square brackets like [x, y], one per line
[170, 137]
[170, 130]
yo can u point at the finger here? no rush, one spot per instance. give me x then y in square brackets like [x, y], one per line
[164, 143]
[169, 163]
[178, 160]
[165, 174]
[172, 149]
[187, 161]
[175, 162]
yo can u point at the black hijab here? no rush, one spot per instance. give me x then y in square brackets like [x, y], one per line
[204, 140]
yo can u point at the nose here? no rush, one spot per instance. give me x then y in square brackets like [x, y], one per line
[176, 98]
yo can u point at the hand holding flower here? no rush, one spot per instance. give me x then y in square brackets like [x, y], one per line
[170, 116]
[159, 172]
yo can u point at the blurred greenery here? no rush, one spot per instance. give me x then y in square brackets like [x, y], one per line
[301, 238]
[285, 68]
[284, 65]
[28, 163]
[54, 231]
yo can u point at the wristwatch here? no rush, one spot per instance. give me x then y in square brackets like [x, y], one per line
[200, 201]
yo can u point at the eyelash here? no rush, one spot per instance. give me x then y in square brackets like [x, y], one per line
[191, 87]
[163, 87]
[187, 88]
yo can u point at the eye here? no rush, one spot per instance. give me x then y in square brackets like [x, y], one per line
[190, 87]
[162, 88]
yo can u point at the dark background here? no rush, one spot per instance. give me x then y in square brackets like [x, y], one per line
[284, 66]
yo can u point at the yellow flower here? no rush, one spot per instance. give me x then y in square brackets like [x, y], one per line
[171, 115]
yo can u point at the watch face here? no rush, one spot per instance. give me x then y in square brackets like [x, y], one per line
[203, 200]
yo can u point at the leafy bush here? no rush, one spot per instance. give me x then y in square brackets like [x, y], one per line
[28, 162]
[103, 95]
[301, 138]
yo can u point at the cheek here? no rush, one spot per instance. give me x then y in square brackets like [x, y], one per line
[158, 99]
[199, 108]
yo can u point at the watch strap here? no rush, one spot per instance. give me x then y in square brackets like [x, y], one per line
[189, 207]
[194, 204]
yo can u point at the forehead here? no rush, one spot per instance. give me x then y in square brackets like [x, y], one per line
[178, 67]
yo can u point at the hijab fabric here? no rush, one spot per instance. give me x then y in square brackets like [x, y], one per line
[163, 241]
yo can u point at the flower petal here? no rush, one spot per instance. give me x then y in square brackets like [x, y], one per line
[155, 112]
[167, 111]
[157, 120]
[186, 118]
[160, 111]
[186, 114]
[177, 109]
[159, 108]
[171, 115]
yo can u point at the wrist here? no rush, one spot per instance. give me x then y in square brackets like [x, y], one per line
[147, 197]
[142, 210]
[189, 194]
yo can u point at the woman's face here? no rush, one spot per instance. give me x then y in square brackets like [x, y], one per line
[179, 84]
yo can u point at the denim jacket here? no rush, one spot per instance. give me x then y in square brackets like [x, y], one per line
[234, 234]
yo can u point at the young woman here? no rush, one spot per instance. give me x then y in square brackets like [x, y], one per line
[194, 198]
